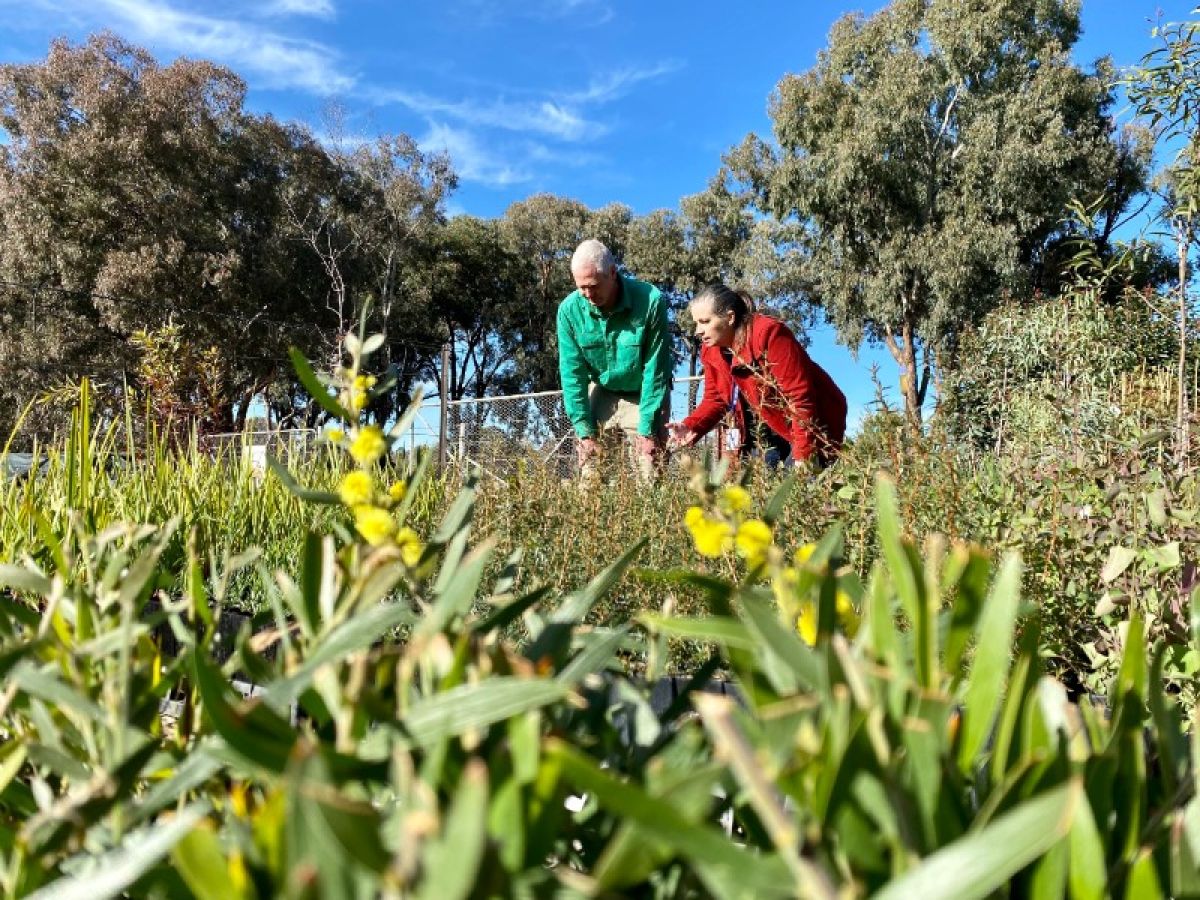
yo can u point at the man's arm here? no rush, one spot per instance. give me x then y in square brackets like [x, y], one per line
[657, 366]
[573, 370]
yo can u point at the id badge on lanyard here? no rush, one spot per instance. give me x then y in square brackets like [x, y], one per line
[733, 435]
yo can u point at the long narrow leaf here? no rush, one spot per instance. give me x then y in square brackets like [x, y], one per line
[976, 865]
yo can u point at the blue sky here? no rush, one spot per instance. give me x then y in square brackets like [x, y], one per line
[602, 101]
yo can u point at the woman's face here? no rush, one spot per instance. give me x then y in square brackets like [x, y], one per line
[713, 329]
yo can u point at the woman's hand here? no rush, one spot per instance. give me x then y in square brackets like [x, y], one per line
[681, 435]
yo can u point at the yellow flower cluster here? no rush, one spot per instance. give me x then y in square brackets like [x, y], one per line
[360, 392]
[726, 527]
[713, 537]
[356, 489]
[754, 539]
[847, 615]
[374, 523]
[373, 507]
[368, 445]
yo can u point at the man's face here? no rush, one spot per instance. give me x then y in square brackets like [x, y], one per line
[599, 290]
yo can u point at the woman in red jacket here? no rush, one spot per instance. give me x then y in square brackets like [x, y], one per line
[755, 368]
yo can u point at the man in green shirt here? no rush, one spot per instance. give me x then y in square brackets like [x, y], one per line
[613, 337]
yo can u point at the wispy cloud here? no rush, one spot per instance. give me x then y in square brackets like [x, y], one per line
[321, 9]
[582, 12]
[465, 126]
[613, 85]
[472, 161]
[275, 60]
[540, 117]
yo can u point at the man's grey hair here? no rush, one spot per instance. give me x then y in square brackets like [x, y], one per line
[593, 254]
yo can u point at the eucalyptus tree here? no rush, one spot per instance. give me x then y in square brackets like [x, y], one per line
[1165, 90]
[923, 165]
[134, 195]
[476, 287]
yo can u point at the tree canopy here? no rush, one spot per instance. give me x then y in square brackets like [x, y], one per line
[924, 164]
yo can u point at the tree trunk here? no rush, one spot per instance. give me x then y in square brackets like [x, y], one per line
[904, 352]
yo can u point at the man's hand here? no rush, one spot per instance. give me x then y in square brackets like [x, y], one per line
[646, 446]
[586, 449]
[681, 435]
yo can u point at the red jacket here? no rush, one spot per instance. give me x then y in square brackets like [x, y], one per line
[794, 396]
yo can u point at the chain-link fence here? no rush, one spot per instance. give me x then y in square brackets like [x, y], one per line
[498, 433]
[494, 434]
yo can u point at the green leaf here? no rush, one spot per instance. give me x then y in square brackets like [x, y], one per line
[723, 631]
[110, 874]
[315, 389]
[783, 643]
[202, 864]
[456, 597]
[1119, 559]
[44, 683]
[251, 729]
[505, 615]
[1185, 851]
[983, 861]
[993, 649]
[775, 506]
[476, 706]
[410, 413]
[576, 606]
[1048, 879]
[1164, 558]
[349, 637]
[597, 653]
[1143, 883]
[452, 861]
[294, 487]
[371, 344]
[1087, 871]
[725, 869]
[23, 579]
[12, 757]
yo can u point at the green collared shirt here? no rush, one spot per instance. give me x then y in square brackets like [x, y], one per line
[627, 351]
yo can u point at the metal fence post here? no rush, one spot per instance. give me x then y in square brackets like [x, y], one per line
[443, 416]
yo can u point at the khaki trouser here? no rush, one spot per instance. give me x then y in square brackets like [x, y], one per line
[617, 423]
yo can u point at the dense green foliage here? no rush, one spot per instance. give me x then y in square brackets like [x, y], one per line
[921, 169]
[880, 759]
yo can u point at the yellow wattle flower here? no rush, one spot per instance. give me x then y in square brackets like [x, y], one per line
[693, 516]
[806, 624]
[847, 615]
[712, 537]
[398, 490]
[363, 382]
[368, 445]
[803, 554]
[358, 401]
[753, 540]
[356, 489]
[736, 498]
[374, 524]
[411, 546]
[335, 435]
